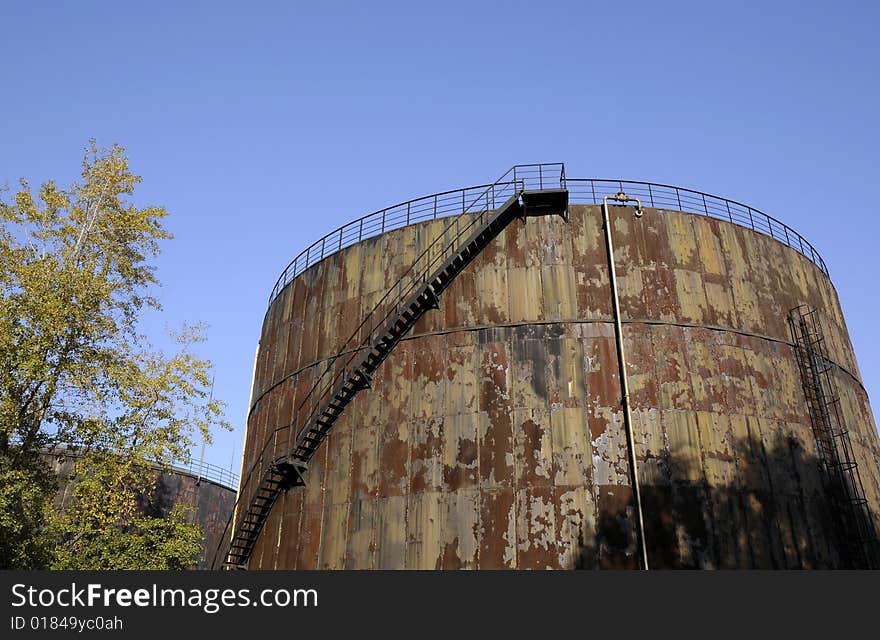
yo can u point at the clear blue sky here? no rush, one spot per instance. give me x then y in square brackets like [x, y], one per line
[261, 126]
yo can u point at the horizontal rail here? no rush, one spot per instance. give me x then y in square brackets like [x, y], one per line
[581, 190]
[210, 472]
[202, 470]
[664, 196]
[436, 205]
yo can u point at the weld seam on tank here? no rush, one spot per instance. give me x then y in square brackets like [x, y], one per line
[544, 323]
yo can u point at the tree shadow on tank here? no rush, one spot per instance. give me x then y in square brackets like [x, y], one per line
[765, 505]
[165, 494]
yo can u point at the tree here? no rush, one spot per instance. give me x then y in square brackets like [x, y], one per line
[74, 369]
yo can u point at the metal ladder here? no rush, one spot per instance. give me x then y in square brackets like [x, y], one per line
[418, 291]
[853, 518]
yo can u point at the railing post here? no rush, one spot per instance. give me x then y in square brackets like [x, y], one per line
[435, 207]
[361, 231]
[705, 206]
[651, 195]
[407, 212]
[541, 176]
[383, 220]
[729, 214]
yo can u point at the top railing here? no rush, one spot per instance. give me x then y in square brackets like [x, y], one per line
[664, 196]
[581, 190]
[437, 205]
[200, 469]
[207, 471]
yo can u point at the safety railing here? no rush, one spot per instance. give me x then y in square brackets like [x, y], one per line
[437, 205]
[663, 196]
[208, 471]
[202, 470]
[581, 191]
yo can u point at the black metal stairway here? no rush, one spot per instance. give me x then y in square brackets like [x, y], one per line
[844, 484]
[416, 293]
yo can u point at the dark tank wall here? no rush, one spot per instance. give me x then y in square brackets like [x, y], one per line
[493, 435]
[212, 503]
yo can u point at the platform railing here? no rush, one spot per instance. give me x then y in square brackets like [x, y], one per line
[200, 469]
[207, 471]
[437, 205]
[582, 191]
[663, 196]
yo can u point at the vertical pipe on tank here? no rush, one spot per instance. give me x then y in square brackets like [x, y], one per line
[621, 361]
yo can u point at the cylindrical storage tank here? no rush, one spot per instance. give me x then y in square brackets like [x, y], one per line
[493, 435]
[208, 491]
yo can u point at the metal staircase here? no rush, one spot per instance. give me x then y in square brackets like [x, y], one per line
[853, 519]
[523, 191]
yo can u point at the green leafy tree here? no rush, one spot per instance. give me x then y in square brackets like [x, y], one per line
[26, 490]
[76, 276]
[170, 542]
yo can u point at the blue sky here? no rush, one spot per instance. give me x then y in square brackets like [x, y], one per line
[261, 126]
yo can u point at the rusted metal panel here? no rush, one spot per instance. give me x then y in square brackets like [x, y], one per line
[309, 536]
[574, 464]
[460, 529]
[391, 532]
[461, 383]
[536, 530]
[533, 449]
[495, 428]
[497, 528]
[575, 521]
[334, 534]
[426, 453]
[423, 533]
[291, 506]
[362, 527]
[525, 291]
[494, 308]
[559, 301]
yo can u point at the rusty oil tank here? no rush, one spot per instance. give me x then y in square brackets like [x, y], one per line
[493, 435]
[208, 490]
